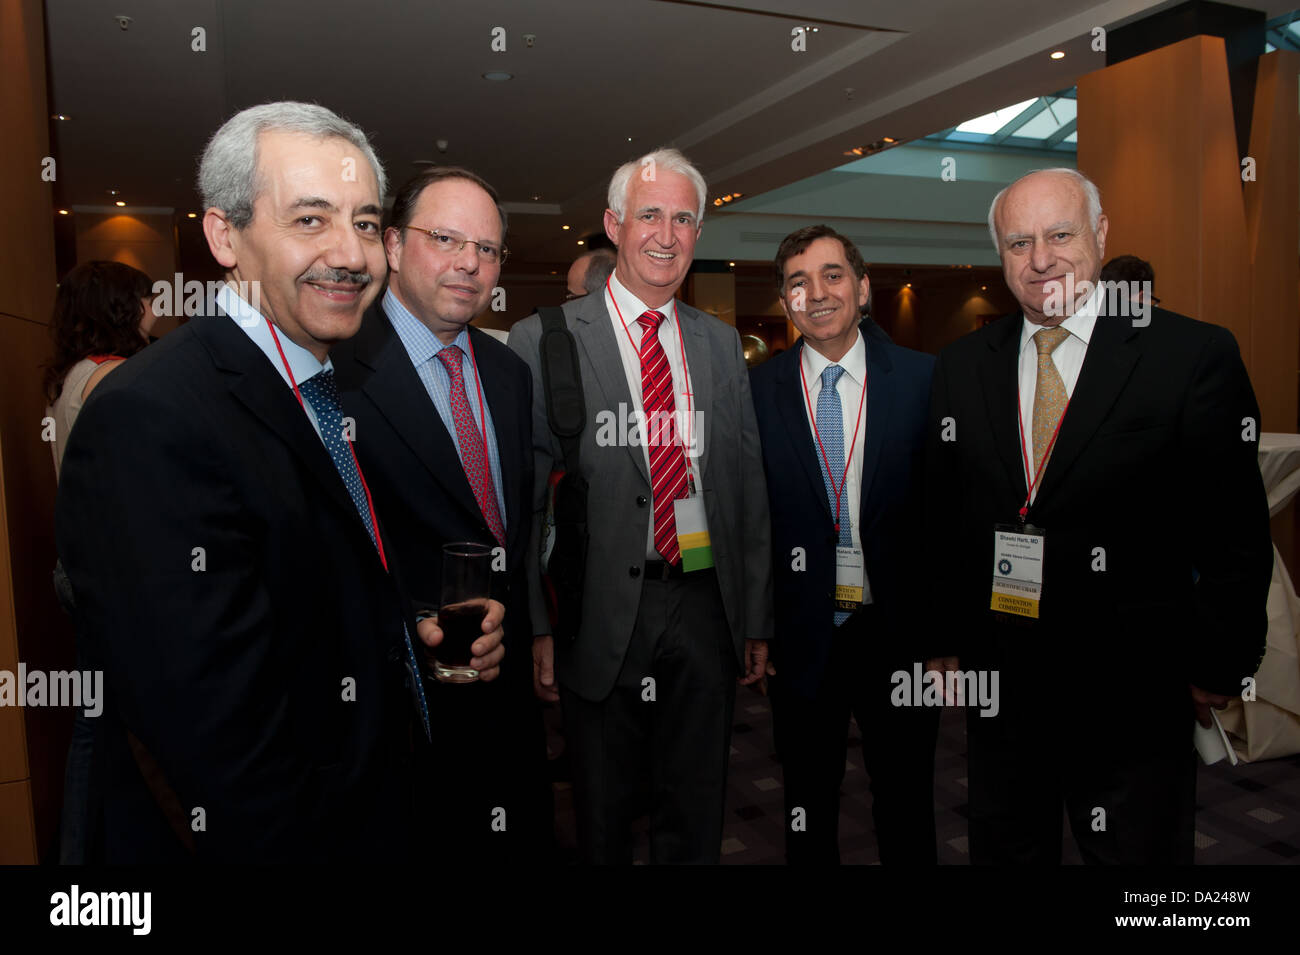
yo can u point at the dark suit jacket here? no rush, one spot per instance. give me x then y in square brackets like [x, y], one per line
[1151, 475]
[417, 478]
[898, 393]
[228, 587]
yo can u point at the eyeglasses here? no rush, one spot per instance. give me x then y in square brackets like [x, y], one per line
[448, 242]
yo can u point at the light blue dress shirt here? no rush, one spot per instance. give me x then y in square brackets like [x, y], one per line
[422, 346]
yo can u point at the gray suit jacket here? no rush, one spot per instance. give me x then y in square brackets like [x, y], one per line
[735, 493]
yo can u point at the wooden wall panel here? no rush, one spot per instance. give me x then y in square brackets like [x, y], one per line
[17, 845]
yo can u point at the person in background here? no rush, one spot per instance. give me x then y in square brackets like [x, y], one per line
[1129, 269]
[588, 273]
[102, 316]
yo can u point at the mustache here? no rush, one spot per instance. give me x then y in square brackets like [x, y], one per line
[339, 277]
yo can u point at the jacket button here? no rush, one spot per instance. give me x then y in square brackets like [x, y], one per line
[641, 500]
[634, 571]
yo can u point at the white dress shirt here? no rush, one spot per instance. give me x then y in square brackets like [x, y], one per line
[850, 389]
[1068, 358]
[624, 309]
[302, 362]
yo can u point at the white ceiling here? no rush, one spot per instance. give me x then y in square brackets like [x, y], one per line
[718, 80]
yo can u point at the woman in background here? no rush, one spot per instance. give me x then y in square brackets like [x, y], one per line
[102, 316]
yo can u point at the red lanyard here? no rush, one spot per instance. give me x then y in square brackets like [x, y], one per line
[848, 458]
[1024, 452]
[379, 544]
[686, 372]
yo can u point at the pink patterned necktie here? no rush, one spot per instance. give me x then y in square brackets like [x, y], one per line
[667, 458]
[473, 453]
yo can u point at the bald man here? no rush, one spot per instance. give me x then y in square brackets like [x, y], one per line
[1098, 541]
[588, 273]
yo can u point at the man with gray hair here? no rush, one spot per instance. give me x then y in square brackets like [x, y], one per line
[676, 598]
[263, 669]
[1099, 540]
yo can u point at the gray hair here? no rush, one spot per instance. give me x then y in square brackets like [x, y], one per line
[600, 268]
[228, 176]
[670, 159]
[1090, 191]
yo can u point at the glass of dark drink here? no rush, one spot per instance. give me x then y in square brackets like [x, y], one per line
[466, 579]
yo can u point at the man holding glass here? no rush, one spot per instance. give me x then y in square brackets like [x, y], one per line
[443, 429]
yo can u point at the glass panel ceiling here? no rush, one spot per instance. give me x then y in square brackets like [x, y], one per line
[992, 122]
[1043, 123]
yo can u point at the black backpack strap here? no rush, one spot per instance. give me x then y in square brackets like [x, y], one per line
[566, 410]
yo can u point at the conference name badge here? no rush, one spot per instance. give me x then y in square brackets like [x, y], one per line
[693, 533]
[1017, 569]
[850, 578]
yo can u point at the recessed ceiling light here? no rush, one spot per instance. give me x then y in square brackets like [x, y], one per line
[63, 212]
[1058, 55]
[535, 198]
[580, 242]
[984, 288]
[565, 228]
[732, 264]
[193, 215]
[889, 139]
[909, 284]
[498, 76]
[113, 192]
[119, 203]
[61, 117]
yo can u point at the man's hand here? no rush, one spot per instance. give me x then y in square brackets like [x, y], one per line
[942, 665]
[1202, 701]
[487, 650]
[544, 669]
[756, 665]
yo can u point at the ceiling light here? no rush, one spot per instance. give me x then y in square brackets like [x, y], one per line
[732, 264]
[193, 215]
[889, 139]
[498, 76]
[909, 284]
[62, 117]
[113, 192]
[580, 242]
[565, 228]
[63, 212]
[535, 198]
[1058, 55]
[119, 203]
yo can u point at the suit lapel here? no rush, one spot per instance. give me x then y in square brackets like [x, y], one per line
[394, 387]
[999, 381]
[1106, 368]
[595, 335]
[261, 389]
[699, 369]
[499, 391]
[880, 402]
[791, 405]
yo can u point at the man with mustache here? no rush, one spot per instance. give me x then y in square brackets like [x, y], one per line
[1097, 534]
[676, 601]
[264, 673]
[842, 420]
[444, 431]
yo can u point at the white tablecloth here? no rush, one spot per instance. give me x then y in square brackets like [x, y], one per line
[1269, 726]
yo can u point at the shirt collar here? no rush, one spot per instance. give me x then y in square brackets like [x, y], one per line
[420, 342]
[631, 308]
[1080, 324]
[302, 362]
[854, 362]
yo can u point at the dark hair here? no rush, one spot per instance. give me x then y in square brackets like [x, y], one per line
[408, 194]
[797, 242]
[97, 311]
[1128, 268]
[600, 268]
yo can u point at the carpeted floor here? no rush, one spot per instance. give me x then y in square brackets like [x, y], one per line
[1246, 815]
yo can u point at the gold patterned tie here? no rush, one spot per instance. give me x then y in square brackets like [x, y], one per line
[1049, 392]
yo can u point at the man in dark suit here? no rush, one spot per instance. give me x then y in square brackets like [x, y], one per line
[676, 602]
[262, 677]
[1131, 561]
[842, 420]
[416, 361]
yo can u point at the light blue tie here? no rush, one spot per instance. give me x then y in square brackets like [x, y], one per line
[830, 425]
[323, 394]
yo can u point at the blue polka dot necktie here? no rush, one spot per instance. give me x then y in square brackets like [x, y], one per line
[323, 395]
[830, 425]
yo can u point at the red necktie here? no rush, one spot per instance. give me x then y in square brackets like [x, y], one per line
[473, 453]
[667, 458]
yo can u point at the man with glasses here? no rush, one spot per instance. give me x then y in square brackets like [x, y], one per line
[588, 273]
[443, 430]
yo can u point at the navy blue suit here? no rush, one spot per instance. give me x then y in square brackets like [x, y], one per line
[825, 672]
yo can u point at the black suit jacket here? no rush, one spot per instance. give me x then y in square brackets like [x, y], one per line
[1158, 556]
[250, 636]
[418, 480]
[898, 393]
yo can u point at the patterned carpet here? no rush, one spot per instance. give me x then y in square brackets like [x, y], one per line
[1246, 815]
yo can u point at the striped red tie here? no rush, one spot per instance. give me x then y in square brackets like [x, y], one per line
[667, 458]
